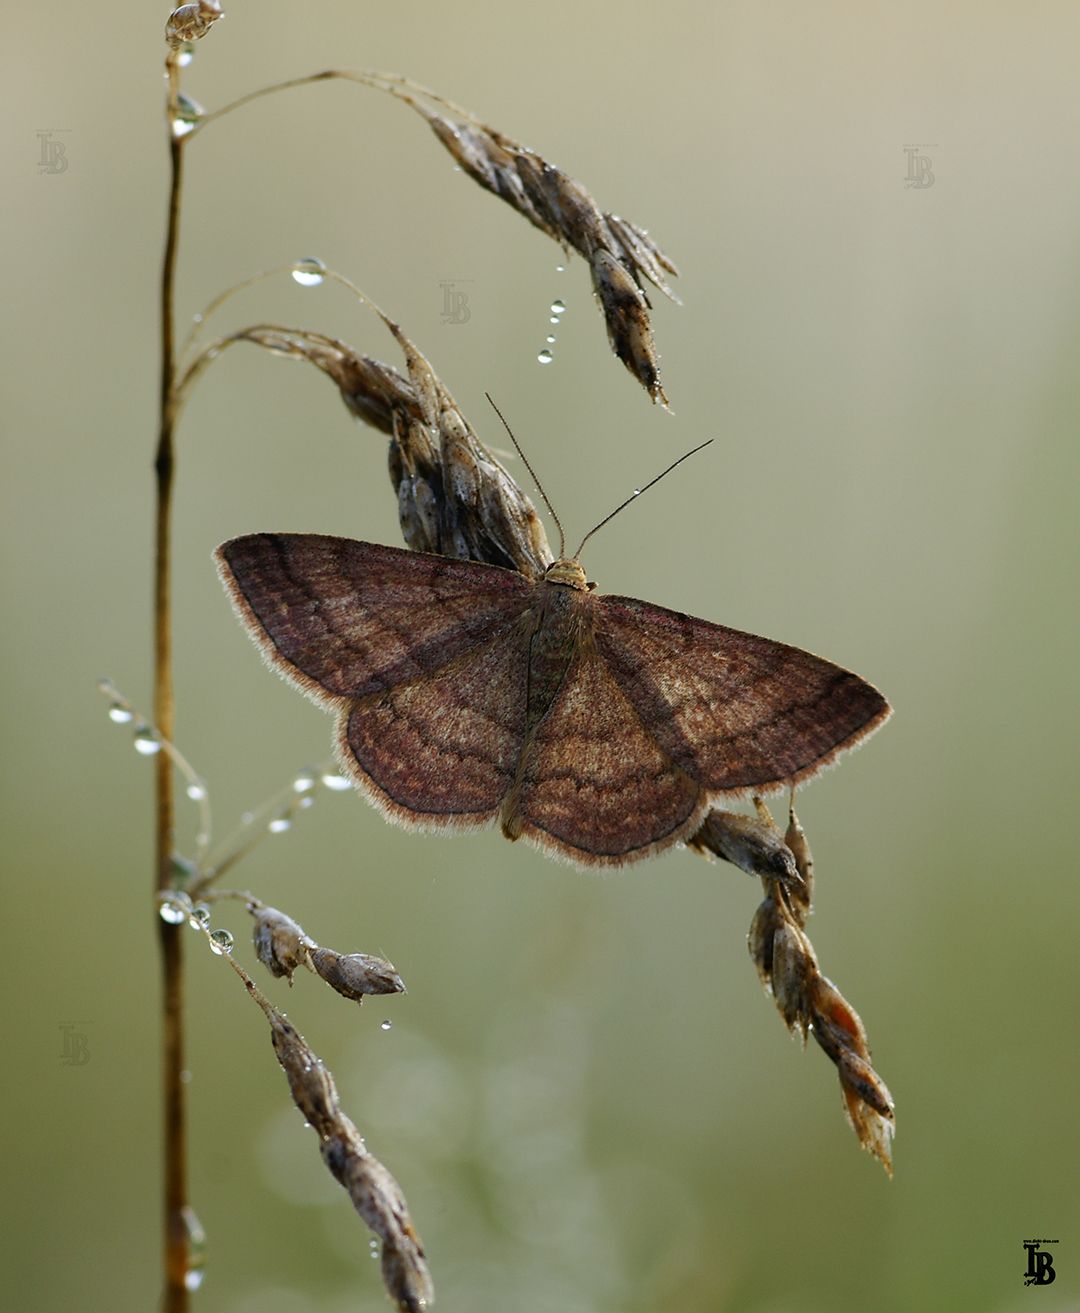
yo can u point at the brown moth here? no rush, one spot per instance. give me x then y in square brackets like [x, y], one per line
[601, 728]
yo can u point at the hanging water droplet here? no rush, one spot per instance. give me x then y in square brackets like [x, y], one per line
[550, 338]
[146, 741]
[636, 492]
[309, 272]
[373, 1248]
[560, 268]
[306, 801]
[280, 824]
[554, 320]
[304, 782]
[545, 357]
[196, 1247]
[120, 715]
[385, 1025]
[221, 941]
[186, 54]
[558, 307]
[199, 918]
[174, 907]
[196, 791]
[188, 114]
[338, 783]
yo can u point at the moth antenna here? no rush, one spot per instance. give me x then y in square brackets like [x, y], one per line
[539, 485]
[635, 494]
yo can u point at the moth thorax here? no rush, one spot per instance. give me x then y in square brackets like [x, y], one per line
[568, 572]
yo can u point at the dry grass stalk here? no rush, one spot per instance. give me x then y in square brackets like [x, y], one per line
[620, 255]
[788, 967]
[374, 1192]
[454, 497]
[281, 945]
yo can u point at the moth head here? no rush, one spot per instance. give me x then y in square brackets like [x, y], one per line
[568, 572]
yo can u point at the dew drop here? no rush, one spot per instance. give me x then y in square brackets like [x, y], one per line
[279, 825]
[309, 272]
[174, 907]
[188, 114]
[554, 320]
[196, 1238]
[545, 357]
[147, 742]
[558, 307]
[304, 782]
[636, 492]
[306, 801]
[385, 1025]
[337, 783]
[221, 941]
[560, 268]
[186, 54]
[199, 918]
[550, 338]
[373, 1248]
[196, 791]
[121, 715]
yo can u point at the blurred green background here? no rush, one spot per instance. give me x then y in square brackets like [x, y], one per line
[587, 1098]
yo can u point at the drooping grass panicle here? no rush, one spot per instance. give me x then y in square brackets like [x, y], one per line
[375, 1194]
[455, 498]
[808, 1001]
[620, 255]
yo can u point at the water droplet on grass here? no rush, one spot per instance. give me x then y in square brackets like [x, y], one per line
[147, 743]
[221, 941]
[309, 272]
[174, 906]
